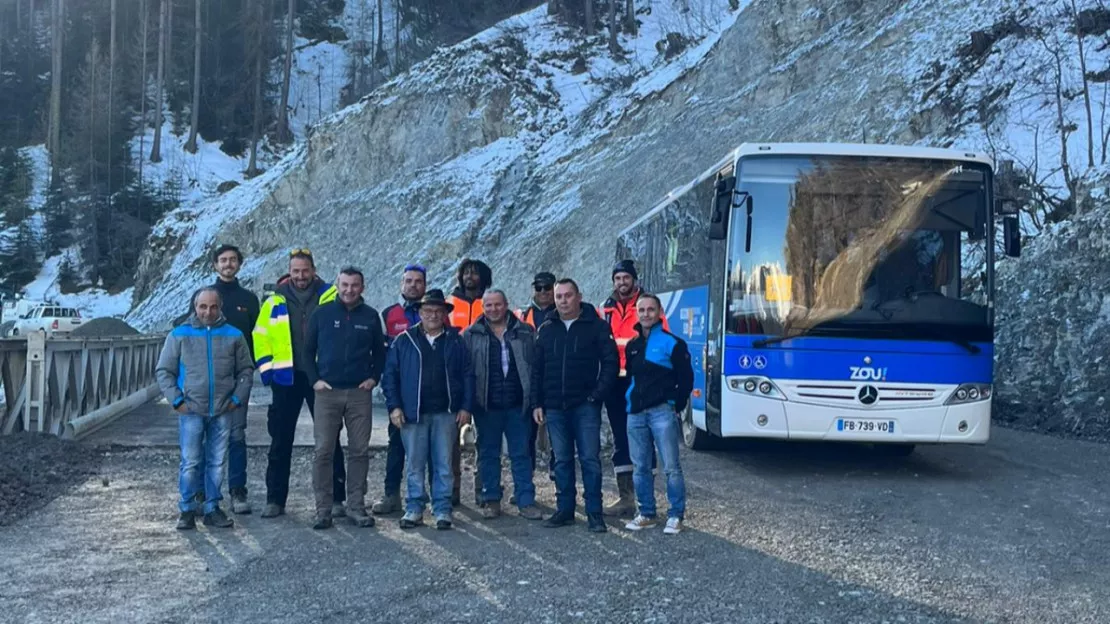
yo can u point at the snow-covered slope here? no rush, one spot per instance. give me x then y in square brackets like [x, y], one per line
[531, 147]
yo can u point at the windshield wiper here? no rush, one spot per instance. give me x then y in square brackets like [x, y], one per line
[929, 332]
[925, 329]
[759, 344]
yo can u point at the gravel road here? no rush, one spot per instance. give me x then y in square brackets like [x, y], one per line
[1012, 532]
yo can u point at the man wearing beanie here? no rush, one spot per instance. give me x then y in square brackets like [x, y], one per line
[620, 312]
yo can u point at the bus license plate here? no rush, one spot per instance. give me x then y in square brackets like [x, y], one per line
[864, 425]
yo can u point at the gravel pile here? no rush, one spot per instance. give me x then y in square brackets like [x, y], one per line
[36, 468]
[104, 328]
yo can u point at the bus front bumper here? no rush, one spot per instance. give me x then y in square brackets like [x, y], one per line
[759, 417]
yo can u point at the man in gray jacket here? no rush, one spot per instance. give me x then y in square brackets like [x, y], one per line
[501, 350]
[205, 372]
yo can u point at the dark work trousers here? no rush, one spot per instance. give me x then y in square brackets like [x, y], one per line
[616, 405]
[281, 421]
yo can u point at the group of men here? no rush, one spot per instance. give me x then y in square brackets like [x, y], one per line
[441, 362]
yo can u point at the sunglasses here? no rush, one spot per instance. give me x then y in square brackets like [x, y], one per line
[542, 287]
[300, 251]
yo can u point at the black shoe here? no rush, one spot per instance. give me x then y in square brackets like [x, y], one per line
[218, 519]
[443, 524]
[596, 523]
[273, 511]
[187, 521]
[558, 519]
[322, 523]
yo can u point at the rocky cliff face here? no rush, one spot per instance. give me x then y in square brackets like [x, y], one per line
[1053, 339]
[531, 148]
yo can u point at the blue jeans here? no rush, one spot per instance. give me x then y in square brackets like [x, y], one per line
[513, 424]
[657, 422]
[432, 437]
[236, 450]
[203, 442]
[579, 428]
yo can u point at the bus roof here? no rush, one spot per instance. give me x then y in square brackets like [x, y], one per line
[817, 149]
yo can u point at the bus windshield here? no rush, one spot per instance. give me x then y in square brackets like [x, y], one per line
[860, 246]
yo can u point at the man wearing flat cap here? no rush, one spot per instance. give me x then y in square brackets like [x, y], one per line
[429, 391]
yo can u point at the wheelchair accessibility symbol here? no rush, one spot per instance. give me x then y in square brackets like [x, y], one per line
[760, 362]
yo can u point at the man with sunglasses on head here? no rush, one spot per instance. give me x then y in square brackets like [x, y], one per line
[398, 318]
[281, 357]
[541, 309]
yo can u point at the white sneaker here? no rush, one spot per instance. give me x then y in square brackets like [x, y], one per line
[674, 526]
[639, 523]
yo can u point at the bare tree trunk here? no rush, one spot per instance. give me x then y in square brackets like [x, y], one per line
[145, 13]
[57, 14]
[379, 47]
[396, 37]
[94, 209]
[111, 94]
[614, 47]
[194, 117]
[284, 135]
[156, 149]
[1086, 86]
[256, 129]
[589, 17]
[630, 18]
[553, 7]
[1061, 128]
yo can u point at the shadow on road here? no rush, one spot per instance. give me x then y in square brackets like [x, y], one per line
[829, 459]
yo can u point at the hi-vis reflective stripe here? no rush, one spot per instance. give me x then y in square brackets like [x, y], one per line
[275, 364]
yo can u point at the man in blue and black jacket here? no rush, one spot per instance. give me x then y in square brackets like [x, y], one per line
[429, 391]
[661, 378]
[345, 353]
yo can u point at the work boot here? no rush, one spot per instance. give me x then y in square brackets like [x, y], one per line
[338, 510]
[626, 504]
[596, 523]
[239, 503]
[559, 519]
[386, 505]
[187, 521]
[322, 523]
[530, 513]
[218, 519]
[359, 518]
[272, 511]
[491, 510]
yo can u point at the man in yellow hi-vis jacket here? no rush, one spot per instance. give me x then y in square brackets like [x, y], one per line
[279, 349]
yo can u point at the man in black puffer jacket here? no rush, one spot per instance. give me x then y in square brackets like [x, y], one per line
[345, 356]
[575, 365]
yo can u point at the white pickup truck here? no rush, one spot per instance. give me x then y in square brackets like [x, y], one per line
[52, 319]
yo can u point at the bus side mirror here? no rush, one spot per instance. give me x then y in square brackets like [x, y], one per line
[1011, 236]
[722, 208]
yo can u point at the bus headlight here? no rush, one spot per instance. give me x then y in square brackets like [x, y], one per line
[757, 386]
[969, 393]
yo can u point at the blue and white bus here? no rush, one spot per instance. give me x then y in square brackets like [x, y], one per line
[831, 292]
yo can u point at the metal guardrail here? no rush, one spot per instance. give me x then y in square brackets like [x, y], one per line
[72, 386]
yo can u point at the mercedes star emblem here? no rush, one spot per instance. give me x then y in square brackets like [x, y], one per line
[868, 395]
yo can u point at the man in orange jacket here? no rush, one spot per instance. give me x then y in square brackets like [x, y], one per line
[474, 278]
[620, 312]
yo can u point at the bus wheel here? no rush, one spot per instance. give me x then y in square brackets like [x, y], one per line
[695, 439]
[894, 450]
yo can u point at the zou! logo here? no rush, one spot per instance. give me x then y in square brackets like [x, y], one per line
[867, 373]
